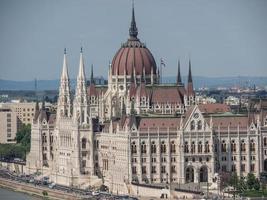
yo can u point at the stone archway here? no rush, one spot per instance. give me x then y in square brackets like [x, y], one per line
[265, 165]
[203, 174]
[189, 174]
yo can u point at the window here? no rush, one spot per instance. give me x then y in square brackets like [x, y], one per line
[192, 125]
[223, 146]
[199, 125]
[265, 141]
[163, 147]
[134, 169]
[143, 160]
[252, 145]
[243, 167]
[207, 147]
[84, 163]
[153, 170]
[163, 169]
[83, 143]
[143, 169]
[133, 148]
[153, 147]
[200, 159]
[224, 168]
[193, 147]
[186, 148]
[233, 146]
[143, 148]
[243, 146]
[153, 160]
[199, 147]
[173, 149]
[252, 167]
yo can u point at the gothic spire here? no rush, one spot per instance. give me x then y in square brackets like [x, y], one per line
[133, 31]
[179, 79]
[92, 75]
[81, 67]
[189, 73]
[65, 74]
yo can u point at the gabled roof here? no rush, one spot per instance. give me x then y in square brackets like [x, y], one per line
[214, 108]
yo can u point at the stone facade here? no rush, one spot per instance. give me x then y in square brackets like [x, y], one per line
[137, 130]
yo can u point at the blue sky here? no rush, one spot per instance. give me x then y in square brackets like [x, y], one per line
[223, 38]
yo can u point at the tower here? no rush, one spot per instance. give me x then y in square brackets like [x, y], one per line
[80, 109]
[64, 103]
[190, 88]
[179, 79]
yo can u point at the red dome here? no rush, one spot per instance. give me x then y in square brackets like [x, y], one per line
[133, 54]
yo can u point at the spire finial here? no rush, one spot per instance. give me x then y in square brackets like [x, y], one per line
[65, 51]
[189, 73]
[133, 31]
[179, 79]
[92, 75]
[81, 50]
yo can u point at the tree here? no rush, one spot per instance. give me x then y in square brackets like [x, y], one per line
[257, 185]
[23, 137]
[251, 180]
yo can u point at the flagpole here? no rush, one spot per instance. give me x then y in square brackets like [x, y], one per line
[161, 70]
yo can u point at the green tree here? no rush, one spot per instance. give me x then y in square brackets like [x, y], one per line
[257, 185]
[23, 137]
[251, 180]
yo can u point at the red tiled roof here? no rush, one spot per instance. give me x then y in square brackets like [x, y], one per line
[91, 90]
[214, 108]
[159, 123]
[166, 95]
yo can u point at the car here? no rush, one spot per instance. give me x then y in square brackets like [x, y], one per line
[31, 181]
[95, 193]
[52, 185]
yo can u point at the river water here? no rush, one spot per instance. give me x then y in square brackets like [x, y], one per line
[6, 194]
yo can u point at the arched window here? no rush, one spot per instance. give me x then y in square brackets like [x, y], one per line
[192, 125]
[207, 147]
[173, 148]
[223, 146]
[163, 147]
[199, 125]
[233, 146]
[133, 147]
[199, 148]
[252, 145]
[243, 146]
[186, 149]
[193, 147]
[83, 143]
[153, 147]
[143, 147]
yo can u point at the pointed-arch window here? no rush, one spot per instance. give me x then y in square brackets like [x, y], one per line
[233, 146]
[199, 148]
[133, 148]
[199, 125]
[243, 146]
[207, 147]
[223, 146]
[192, 125]
[186, 147]
[153, 147]
[143, 147]
[252, 145]
[193, 147]
[163, 147]
[173, 148]
[265, 141]
[83, 143]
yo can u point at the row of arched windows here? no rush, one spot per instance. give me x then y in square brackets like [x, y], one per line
[252, 146]
[194, 125]
[153, 147]
[199, 147]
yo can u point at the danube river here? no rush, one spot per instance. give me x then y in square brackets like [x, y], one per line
[7, 194]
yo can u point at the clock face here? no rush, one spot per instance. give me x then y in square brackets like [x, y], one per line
[196, 115]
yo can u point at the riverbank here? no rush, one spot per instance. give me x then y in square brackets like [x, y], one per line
[36, 191]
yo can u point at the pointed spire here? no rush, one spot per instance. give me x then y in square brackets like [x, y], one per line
[92, 75]
[179, 79]
[189, 73]
[133, 31]
[65, 67]
[81, 66]
[43, 104]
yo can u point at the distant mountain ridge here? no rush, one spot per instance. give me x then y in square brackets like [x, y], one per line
[199, 82]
